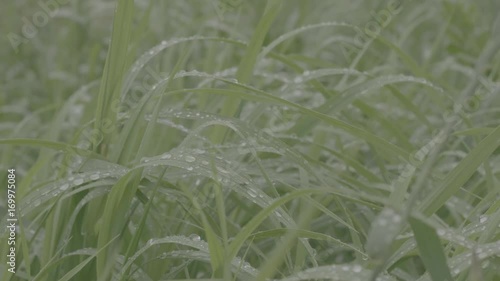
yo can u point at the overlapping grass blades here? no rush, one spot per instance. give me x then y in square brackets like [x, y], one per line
[267, 157]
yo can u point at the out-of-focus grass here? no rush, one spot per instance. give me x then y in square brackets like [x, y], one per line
[178, 140]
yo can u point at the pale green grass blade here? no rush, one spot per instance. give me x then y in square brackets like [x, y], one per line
[246, 68]
[245, 233]
[113, 221]
[114, 69]
[68, 276]
[461, 173]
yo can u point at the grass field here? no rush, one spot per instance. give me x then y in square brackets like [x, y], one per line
[250, 140]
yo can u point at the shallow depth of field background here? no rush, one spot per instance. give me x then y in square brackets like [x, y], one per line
[251, 140]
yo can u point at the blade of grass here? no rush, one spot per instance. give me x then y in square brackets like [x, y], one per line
[114, 69]
[231, 106]
[461, 173]
[431, 250]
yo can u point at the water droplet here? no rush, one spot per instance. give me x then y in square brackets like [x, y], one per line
[189, 168]
[222, 170]
[190, 159]
[195, 237]
[64, 186]
[483, 219]
[166, 156]
[204, 162]
[252, 193]
[357, 268]
[78, 181]
[94, 176]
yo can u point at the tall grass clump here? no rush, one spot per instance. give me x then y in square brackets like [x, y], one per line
[266, 140]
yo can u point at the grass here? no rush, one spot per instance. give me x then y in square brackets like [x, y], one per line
[271, 140]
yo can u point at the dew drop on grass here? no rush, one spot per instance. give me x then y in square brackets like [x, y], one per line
[483, 219]
[297, 80]
[94, 176]
[195, 237]
[198, 151]
[246, 265]
[204, 162]
[166, 156]
[222, 170]
[64, 186]
[252, 193]
[78, 181]
[190, 159]
[314, 253]
[190, 168]
[37, 202]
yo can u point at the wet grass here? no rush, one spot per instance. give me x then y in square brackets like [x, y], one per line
[229, 140]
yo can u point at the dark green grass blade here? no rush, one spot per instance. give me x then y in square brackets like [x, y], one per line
[431, 250]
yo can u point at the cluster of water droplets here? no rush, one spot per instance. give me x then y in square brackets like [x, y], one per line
[47, 192]
[292, 33]
[147, 56]
[336, 273]
[461, 262]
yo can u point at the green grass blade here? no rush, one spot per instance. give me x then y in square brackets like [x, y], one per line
[431, 250]
[461, 173]
[114, 69]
